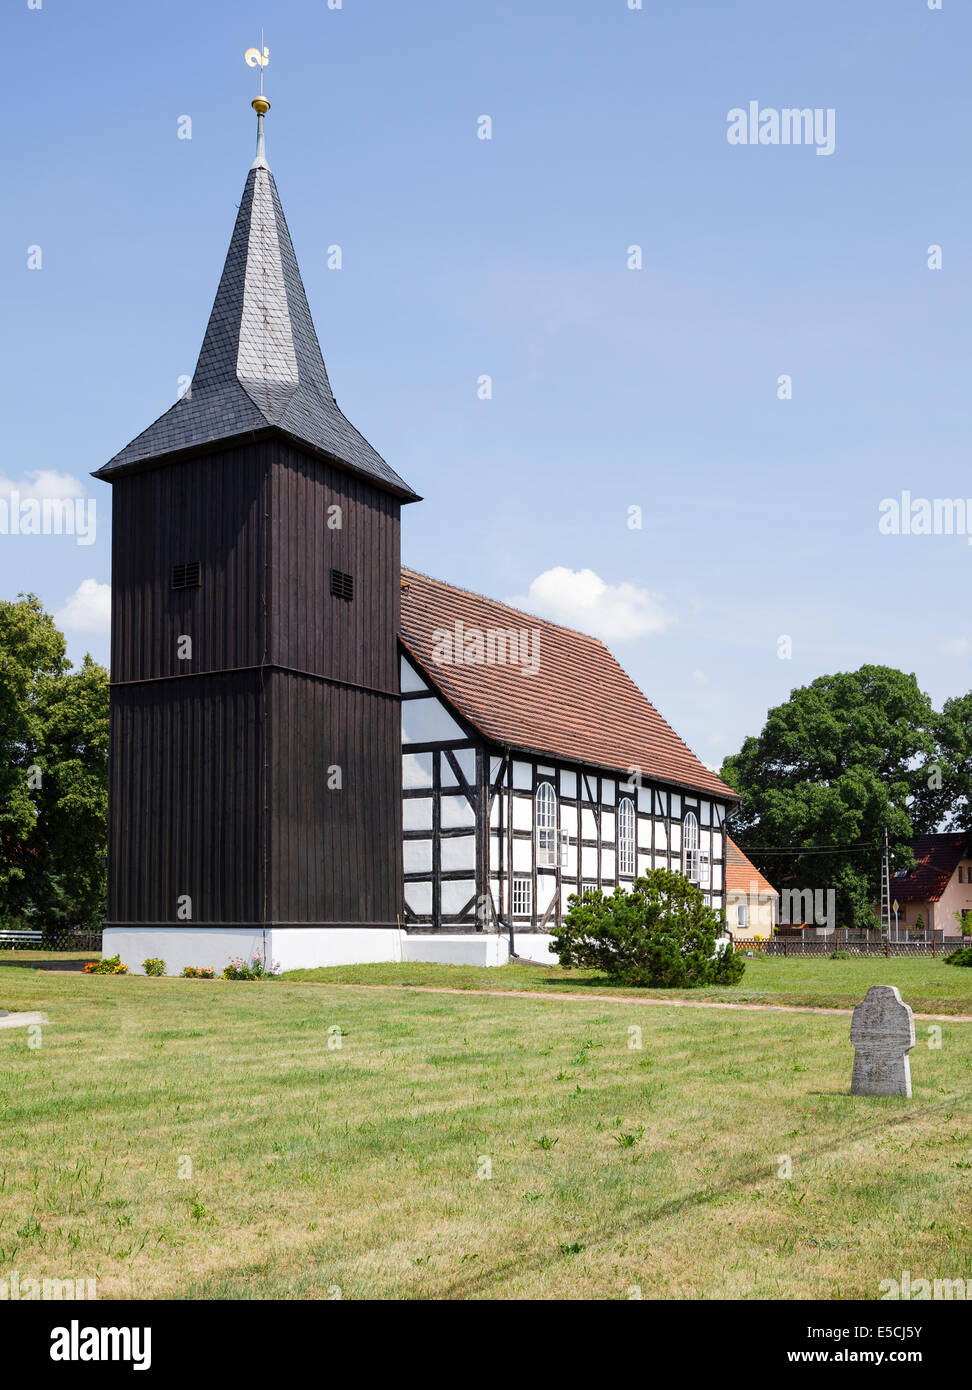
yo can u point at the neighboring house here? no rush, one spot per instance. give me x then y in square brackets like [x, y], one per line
[533, 768]
[938, 886]
[752, 903]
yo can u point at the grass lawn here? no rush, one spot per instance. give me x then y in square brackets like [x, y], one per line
[32, 960]
[362, 1168]
[926, 983]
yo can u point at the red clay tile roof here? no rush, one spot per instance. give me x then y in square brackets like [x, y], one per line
[741, 874]
[580, 706]
[937, 858]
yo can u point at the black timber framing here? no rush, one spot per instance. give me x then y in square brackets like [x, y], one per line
[495, 777]
[471, 917]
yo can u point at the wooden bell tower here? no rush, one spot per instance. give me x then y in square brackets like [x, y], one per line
[255, 782]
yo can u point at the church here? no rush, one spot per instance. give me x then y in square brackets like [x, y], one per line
[316, 755]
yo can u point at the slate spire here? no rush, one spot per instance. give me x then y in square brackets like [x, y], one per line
[260, 368]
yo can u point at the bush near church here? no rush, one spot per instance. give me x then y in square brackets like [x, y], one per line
[255, 969]
[111, 965]
[661, 934]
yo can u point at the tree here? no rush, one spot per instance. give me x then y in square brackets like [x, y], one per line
[31, 648]
[53, 773]
[945, 796]
[67, 876]
[842, 759]
[661, 934]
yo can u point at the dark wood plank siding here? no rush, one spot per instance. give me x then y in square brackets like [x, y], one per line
[209, 509]
[311, 630]
[186, 806]
[336, 854]
[219, 764]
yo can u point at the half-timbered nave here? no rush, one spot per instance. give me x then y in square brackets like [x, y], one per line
[533, 768]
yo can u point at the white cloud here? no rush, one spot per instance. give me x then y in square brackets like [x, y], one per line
[954, 646]
[582, 599]
[87, 610]
[42, 483]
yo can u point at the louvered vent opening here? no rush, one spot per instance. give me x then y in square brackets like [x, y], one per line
[342, 585]
[186, 576]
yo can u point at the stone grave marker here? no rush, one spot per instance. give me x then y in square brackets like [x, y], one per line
[883, 1033]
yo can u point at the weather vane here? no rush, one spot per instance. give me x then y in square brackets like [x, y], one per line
[259, 57]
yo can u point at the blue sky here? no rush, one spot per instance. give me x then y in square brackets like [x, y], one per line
[612, 388]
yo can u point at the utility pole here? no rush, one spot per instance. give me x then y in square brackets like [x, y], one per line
[885, 888]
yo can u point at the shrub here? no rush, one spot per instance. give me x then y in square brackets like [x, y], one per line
[198, 972]
[840, 955]
[239, 969]
[111, 965]
[153, 966]
[660, 935]
[961, 956]
[964, 919]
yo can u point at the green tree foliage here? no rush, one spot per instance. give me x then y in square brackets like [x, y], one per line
[944, 798]
[53, 774]
[844, 757]
[661, 934]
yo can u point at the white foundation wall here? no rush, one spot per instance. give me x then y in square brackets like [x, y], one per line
[182, 946]
[456, 948]
[293, 948]
[303, 948]
[478, 948]
[535, 946]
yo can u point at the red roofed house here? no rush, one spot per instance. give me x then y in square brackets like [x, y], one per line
[752, 903]
[533, 768]
[938, 886]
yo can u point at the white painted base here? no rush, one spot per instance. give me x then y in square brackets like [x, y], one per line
[479, 948]
[293, 948]
[303, 948]
[181, 946]
[535, 946]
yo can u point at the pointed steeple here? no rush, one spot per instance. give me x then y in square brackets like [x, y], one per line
[260, 368]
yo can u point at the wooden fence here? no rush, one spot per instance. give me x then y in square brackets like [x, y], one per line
[790, 946]
[71, 940]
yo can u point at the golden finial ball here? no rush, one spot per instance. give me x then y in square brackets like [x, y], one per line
[260, 105]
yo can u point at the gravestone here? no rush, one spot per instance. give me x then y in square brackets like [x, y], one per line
[883, 1033]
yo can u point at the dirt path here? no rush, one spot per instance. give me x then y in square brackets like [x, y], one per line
[640, 999]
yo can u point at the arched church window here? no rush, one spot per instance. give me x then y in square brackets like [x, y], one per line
[546, 825]
[626, 836]
[690, 847]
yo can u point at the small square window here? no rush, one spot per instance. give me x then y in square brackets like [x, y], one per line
[522, 896]
[342, 585]
[186, 576]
